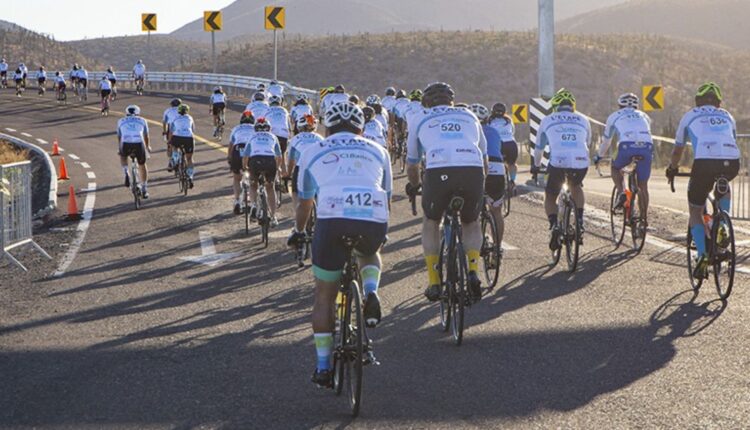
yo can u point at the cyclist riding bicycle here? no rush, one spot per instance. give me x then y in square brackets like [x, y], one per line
[568, 134]
[397, 122]
[713, 134]
[24, 73]
[390, 99]
[259, 105]
[74, 76]
[139, 73]
[455, 151]
[278, 117]
[170, 114]
[133, 138]
[181, 135]
[381, 114]
[238, 139]
[503, 124]
[4, 72]
[300, 109]
[83, 77]
[262, 155]
[105, 90]
[351, 177]
[305, 139]
[41, 77]
[338, 95]
[373, 129]
[110, 74]
[632, 128]
[217, 104]
[60, 84]
[275, 89]
[18, 79]
[494, 183]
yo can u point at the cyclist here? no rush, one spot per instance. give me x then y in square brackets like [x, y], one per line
[60, 84]
[262, 155]
[181, 135]
[414, 107]
[390, 98]
[74, 77]
[105, 90]
[338, 95]
[139, 73]
[275, 89]
[278, 117]
[305, 138]
[24, 73]
[170, 114]
[301, 109]
[83, 79]
[632, 128]
[373, 129]
[258, 106]
[398, 124]
[713, 134]
[568, 134]
[455, 151]
[218, 102]
[261, 87]
[113, 80]
[356, 172]
[238, 139]
[18, 79]
[41, 79]
[503, 124]
[494, 183]
[3, 73]
[132, 138]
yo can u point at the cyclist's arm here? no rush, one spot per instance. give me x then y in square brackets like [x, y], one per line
[388, 177]
[307, 189]
[483, 149]
[539, 148]
[680, 141]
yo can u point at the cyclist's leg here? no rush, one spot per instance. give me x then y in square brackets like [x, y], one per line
[283, 143]
[643, 172]
[122, 152]
[189, 147]
[494, 187]
[255, 170]
[701, 181]
[624, 155]
[235, 166]
[435, 200]
[575, 182]
[472, 191]
[555, 179]
[142, 168]
[510, 155]
[270, 168]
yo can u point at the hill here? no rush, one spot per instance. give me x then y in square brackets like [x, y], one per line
[487, 66]
[717, 21]
[323, 17]
[18, 44]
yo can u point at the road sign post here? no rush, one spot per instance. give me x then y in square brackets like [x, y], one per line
[275, 19]
[212, 22]
[148, 24]
[653, 97]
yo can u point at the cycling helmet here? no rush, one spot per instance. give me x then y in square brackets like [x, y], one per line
[183, 109]
[274, 100]
[344, 113]
[109, 69]
[499, 109]
[372, 100]
[259, 97]
[247, 118]
[563, 97]
[415, 95]
[175, 102]
[140, 61]
[41, 67]
[301, 97]
[75, 67]
[217, 89]
[368, 112]
[390, 91]
[400, 94]
[132, 110]
[354, 99]
[261, 86]
[306, 122]
[339, 89]
[628, 100]
[480, 111]
[262, 125]
[436, 94]
[709, 88]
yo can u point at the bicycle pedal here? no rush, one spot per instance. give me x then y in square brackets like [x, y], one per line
[369, 358]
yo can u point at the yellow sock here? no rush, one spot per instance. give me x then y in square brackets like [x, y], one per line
[432, 273]
[473, 256]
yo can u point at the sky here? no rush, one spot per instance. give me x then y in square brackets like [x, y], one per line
[100, 18]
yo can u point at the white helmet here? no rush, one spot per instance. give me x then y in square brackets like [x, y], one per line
[259, 96]
[302, 96]
[480, 111]
[373, 99]
[306, 120]
[274, 100]
[133, 110]
[628, 100]
[344, 113]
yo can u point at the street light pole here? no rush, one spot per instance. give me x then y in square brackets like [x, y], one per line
[546, 48]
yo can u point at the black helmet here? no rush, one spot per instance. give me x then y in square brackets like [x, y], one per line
[369, 113]
[175, 102]
[339, 89]
[400, 94]
[437, 93]
[499, 109]
[354, 99]
[262, 125]
[390, 91]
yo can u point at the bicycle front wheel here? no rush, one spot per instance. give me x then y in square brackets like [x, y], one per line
[724, 259]
[572, 234]
[490, 250]
[616, 220]
[355, 348]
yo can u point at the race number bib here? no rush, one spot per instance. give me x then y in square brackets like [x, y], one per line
[362, 203]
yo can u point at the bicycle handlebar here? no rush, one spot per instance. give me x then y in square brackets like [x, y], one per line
[671, 180]
[413, 201]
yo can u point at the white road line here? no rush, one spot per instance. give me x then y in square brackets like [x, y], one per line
[85, 165]
[83, 226]
[12, 130]
[42, 141]
[91, 175]
[191, 97]
[508, 247]
[73, 156]
[26, 134]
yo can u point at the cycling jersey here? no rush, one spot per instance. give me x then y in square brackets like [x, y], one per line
[300, 111]
[139, 70]
[258, 109]
[333, 99]
[218, 98]
[382, 118]
[448, 137]
[350, 175]
[241, 135]
[279, 119]
[494, 151]
[505, 128]
[262, 144]
[4, 67]
[301, 142]
[73, 75]
[111, 76]
[24, 69]
[412, 111]
[399, 108]
[712, 131]
[132, 129]
[375, 132]
[182, 126]
[60, 80]
[41, 74]
[568, 135]
[170, 114]
[83, 74]
[18, 76]
[628, 125]
[105, 85]
[276, 90]
[387, 102]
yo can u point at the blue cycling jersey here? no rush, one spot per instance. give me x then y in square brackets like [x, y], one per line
[494, 143]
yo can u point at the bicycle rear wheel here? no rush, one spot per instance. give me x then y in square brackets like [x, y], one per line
[184, 175]
[246, 208]
[490, 250]
[355, 347]
[341, 339]
[134, 187]
[445, 303]
[724, 259]
[616, 220]
[459, 293]
[637, 224]
[692, 255]
[265, 220]
[571, 235]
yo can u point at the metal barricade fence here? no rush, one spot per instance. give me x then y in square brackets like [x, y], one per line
[15, 210]
[741, 184]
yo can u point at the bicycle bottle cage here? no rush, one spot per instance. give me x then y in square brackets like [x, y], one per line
[722, 186]
[457, 203]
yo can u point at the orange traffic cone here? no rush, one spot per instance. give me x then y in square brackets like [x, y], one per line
[55, 148]
[63, 175]
[72, 204]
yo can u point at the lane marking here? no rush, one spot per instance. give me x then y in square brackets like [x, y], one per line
[508, 247]
[91, 175]
[12, 130]
[192, 97]
[83, 226]
[73, 156]
[26, 134]
[85, 165]
[42, 141]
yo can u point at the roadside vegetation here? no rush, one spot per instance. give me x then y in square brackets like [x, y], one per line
[10, 154]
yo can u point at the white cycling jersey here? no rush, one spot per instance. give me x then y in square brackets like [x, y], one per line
[218, 98]
[241, 136]
[447, 136]
[24, 69]
[382, 118]
[712, 131]
[60, 80]
[399, 108]
[83, 74]
[132, 129]
[333, 99]
[17, 76]
[170, 114]
[375, 132]
[258, 109]
[279, 119]
[351, 177]
[504, 128]
[628, 125]
[111, 75]
[387, 102]
[276, 90]
[299, 111]
[105, 85]
[413, 111]
[262, 144]
[139, 70]
[302, 142]
[41, 74]
[568, 135]
[182, 126]
[3, 67]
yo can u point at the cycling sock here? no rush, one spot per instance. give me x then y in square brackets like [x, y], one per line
[370, 278]
[725, 203]
[432, 273]
[513, 177]
[552, 220]
[190, 172]
[473, 255]
[324, 348]
[699, 237]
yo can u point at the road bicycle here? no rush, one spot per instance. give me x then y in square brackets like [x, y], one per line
[722, 257]
[134, 186]
[629, 215]
[139, 86]
[105, 105]
[568, 230]
[263, 214]
[219, 125]
[491, 251]
[352, 347]
[180, 168]
[62, 96]
[303, 249]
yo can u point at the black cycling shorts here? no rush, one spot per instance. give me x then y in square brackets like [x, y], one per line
[509, 151]
[328, 251]
[282, 143]
[217, 108]
[235, 159]
[186, 143]
[41, 80]
[137, 149]
[3, 74]
[442, 184]
[263, 164]
[84, 82]
[494, 187]
[556, 177]
[106, 93]
[704, 174]
[113, 81]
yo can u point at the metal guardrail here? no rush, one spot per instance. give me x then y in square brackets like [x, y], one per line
[15, 210]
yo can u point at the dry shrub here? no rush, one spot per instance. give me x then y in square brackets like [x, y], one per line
[11, 154]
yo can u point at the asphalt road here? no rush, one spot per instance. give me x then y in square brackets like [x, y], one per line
[135, 335]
